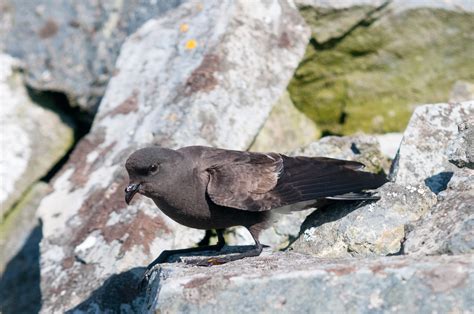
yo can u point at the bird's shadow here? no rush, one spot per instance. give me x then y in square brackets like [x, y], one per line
[329, 212]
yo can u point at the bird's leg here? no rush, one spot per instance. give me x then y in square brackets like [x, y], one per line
[163, 257]
[255, 251]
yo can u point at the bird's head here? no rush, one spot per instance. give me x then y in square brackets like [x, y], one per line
[148, 169]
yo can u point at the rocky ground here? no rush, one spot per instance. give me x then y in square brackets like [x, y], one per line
[85, 84]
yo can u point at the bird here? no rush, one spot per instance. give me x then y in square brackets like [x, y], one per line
[214, 189]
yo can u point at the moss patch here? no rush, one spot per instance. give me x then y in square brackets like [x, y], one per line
[371, 79]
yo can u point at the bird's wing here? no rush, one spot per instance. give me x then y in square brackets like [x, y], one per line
[241, 179]
[262, 182]
[309, 178]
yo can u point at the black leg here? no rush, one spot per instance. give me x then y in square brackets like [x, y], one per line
[163, 257]
[255, 251]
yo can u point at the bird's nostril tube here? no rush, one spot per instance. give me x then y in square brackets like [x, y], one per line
[131, 187]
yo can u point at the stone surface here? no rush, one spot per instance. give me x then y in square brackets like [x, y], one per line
[33, 139]
[15, 229]
[420, 171]
[448, 228]
[461, 148]
[71, 47]
[286, 129]
[422, 158]
[369, 63]
[297, 283]
[209, 81]
[389, 144]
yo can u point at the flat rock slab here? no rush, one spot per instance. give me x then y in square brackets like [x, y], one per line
[297, 283]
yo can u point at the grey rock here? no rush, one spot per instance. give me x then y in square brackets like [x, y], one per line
[420, 171]
[461, 149]
[33, 138]
[448, 228]
[345, 15]
[455, 5]
[297, 283]
[389, 144]
[422, 157]
[212, 84]
[71, 47]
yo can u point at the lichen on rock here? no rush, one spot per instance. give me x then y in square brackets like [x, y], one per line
[371, 72]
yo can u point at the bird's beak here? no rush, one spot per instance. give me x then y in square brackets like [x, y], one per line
[130, 191]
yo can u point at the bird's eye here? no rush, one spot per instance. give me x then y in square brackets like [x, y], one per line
[153, 168]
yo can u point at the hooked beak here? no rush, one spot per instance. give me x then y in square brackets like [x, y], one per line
[130, 191]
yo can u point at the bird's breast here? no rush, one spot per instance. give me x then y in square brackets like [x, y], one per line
[195, 215]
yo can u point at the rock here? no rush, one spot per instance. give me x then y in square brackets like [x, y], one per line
[362, 148]
[462, 91]
[461, 149]
[20, 234]
[297, 283]
[33, 140]
[389, 144]
[366, 69]
[72, 47]
[286, 129]
[448, 227]
[420, 171]
[179, 80]
[422, 158]
[15, 229]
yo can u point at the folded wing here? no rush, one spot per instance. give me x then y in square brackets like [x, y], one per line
[259, 182]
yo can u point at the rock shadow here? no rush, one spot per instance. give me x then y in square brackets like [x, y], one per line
[124, 292]
[439, 182]
[120, 293]
[20, 282]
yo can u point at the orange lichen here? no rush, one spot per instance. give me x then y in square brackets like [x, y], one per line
[191, 44]
[183, 28]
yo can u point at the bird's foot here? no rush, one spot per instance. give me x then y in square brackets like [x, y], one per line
[145, 279]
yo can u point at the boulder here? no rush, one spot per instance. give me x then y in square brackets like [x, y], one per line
[297, 283]
[448, 227]
[420, 172]
[71, 47]
[371, 62]
[34, 138]
[461, 148]
[389, 144]
[204, 74]
[285, 130]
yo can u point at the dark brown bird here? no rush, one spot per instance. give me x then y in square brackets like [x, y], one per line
[210, 188]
